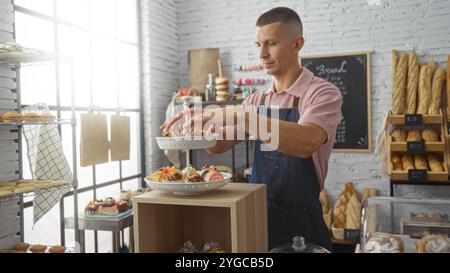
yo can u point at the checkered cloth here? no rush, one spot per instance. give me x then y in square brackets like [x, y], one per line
[47, 161]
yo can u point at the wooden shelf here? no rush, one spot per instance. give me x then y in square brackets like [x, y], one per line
[342, 242]
[426, 119]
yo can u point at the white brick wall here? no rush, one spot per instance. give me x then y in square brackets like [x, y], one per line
[329, 27]
[160, 69]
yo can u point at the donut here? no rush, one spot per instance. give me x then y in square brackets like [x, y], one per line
[38, 248]
[21, 246]
[222, 87]
[221, 80]
[57, 249]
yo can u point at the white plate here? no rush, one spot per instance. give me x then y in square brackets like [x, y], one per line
[188, 188]
[185, 143]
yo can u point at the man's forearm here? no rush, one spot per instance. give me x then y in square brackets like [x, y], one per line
[287, 137]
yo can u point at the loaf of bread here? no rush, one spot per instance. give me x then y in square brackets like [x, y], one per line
[430, 135]
[368, 192]
[436, 91]
[414, 135]
[420, 162]
[434, 163]
[399, 88]
[398, 135]
[397, 162]
[412, 83]
[353, 213]
[341, 205]
[424, 93]
[324, 201]
[408, 162]
[394, 65]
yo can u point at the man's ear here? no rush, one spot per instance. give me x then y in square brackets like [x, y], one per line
[298, 43]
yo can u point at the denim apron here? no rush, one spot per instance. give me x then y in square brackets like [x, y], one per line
[293, 190]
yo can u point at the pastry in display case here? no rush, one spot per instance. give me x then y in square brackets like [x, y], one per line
[404, 225]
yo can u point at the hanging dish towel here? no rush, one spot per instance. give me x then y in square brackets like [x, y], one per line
[47, 161]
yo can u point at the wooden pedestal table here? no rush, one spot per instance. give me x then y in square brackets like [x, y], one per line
[235, 216]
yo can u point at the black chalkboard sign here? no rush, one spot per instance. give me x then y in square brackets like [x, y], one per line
[351, 74]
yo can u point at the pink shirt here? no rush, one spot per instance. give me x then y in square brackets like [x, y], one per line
[319, 103]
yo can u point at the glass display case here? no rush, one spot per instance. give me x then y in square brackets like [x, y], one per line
[401, 225]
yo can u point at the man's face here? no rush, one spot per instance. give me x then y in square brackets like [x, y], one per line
[278, 47]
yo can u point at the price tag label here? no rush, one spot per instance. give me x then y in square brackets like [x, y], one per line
[351, 235]
[417, 175]
[415, 147]
[413, 120]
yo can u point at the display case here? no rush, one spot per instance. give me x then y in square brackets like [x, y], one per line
[401, 225]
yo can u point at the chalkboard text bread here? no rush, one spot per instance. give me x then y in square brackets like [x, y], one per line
[436, 89]
[399, 88]
[413, 83]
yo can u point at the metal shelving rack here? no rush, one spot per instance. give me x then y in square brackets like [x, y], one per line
[16, 56]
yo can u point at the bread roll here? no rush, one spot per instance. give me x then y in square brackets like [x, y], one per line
[399, 88]
[396, 158]
[353, 213]
[436, 91]
[424, 94]
[408, 162]
[412, 83]
[414, 135]
[398, 135]
[420, 162]
[434, 163]
[430, 135]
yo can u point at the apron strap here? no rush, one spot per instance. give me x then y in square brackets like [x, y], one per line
[262, 100]
[296, 101]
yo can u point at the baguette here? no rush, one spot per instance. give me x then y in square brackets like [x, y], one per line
[436, 91]
[399, 88]
[424, 94]
[413, 82]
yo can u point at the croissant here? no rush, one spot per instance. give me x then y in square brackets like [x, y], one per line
[414, 135]
[353, 213]
[430, 135]
[420, 162]
[398, 135]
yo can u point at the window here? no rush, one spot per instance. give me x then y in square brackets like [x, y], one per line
[102, 38]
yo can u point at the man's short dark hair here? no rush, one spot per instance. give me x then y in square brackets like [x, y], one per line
[282, 15]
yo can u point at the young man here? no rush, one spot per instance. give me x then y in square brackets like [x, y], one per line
[307, 112]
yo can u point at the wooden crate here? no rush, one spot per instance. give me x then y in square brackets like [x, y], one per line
[431, 176]
[235, 216]
[427, 119]
[429, 146]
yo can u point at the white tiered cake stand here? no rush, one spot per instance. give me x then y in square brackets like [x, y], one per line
[187, 144]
